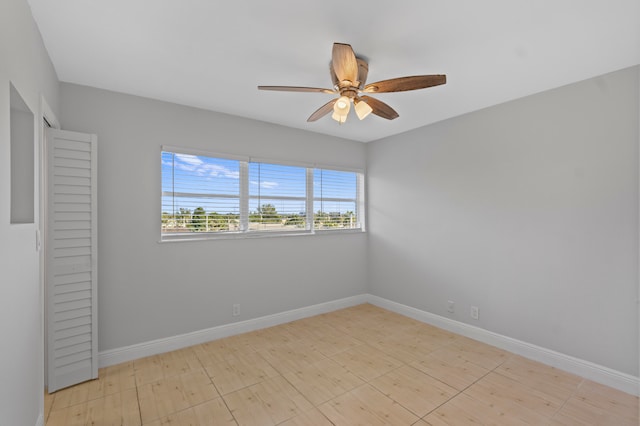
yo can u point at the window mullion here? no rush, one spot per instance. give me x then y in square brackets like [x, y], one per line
[244, 196]
[360, 197]
[309, 201]
[173, 184]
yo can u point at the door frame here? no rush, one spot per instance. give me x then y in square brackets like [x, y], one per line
[47, 118]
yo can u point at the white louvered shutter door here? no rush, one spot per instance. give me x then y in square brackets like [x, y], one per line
[71, 252]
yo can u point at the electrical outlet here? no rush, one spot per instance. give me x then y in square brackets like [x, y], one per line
[475, 312]
[451, 306]
[236, 309]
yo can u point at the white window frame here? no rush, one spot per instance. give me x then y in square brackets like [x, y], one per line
[357, 200]
[244, 196]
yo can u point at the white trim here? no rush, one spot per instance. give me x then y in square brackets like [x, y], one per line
[47, 113]
[638, 300]
[154, 347]
[588, 370]
[266, 160]
[40, 421]
[360, 202]
[244, 197]
[308, 204]
[339, 168]
[250, 159]
[94, 254]
[211, 154]
[236, 235]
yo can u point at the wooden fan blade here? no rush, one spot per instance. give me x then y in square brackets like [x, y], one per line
[334, 77]
[297, 89]
[403, 84]
[344, 62]
[380, 108]
[322, 111]
[363, 70]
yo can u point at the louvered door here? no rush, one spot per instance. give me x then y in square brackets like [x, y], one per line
[71, 252]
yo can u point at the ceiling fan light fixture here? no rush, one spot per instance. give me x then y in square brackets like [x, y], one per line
[362, 108]
[340, 118]
[341, 109]
[342, 105]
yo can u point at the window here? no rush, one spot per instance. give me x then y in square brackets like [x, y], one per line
[199, 194]
[277, 197]
[207, 196]
[335, 200]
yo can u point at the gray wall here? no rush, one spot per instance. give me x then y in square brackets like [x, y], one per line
[528, 210]
[150, 290]
[25, 63]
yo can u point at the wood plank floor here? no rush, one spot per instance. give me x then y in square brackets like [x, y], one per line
[357, 366]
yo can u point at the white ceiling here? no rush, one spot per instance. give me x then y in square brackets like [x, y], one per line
[212, 54]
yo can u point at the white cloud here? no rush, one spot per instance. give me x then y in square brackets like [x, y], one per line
[189, 159]
[215, 170]
[194, 164]
[265, 184]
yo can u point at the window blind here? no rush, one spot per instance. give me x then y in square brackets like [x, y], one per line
[199, 194]
[277, 197]
[208, 196]
[335, 202]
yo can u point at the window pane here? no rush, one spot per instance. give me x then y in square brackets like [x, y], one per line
[277, 196]
[335, 199]
[199, 194]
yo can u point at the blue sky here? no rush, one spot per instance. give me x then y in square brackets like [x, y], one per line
[219, 177]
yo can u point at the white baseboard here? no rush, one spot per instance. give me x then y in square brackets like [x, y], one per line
[40, 421]
[154, 347]
[598, 373]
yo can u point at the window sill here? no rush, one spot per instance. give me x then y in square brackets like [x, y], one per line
[257, 234]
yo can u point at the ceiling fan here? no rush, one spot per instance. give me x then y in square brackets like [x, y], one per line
[349, 74]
